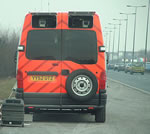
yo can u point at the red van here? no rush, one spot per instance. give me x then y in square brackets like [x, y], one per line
[61, 63]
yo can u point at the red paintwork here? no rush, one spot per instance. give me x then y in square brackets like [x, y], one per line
[58, 86]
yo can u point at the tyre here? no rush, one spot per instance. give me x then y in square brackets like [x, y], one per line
[100, 115]
[81, 85]
[125, 71]
[142, 73]
[26, 111]
[131, 72]
[22, 124]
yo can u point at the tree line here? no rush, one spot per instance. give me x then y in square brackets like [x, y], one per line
[8, 48]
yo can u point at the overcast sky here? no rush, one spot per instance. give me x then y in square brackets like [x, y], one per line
[12, 13]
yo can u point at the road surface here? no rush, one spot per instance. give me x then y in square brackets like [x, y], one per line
[136, 80]
[128, 112]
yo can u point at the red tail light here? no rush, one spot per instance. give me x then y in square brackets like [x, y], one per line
[102, 80]
[30, 107]
[19, 79]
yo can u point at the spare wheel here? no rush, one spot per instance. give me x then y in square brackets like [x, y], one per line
[81, 85]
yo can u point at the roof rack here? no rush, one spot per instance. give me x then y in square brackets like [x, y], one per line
[81, 13]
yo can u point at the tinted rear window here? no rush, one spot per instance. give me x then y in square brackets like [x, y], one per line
[44, 45]
[79, 46]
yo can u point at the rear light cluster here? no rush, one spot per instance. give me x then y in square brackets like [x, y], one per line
[102, 84]
[19, 79]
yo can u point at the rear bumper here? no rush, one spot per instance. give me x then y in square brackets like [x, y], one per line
[61, 107]
[60, 101]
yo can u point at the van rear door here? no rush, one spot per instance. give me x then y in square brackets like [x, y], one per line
[42, 65]
[43, 51]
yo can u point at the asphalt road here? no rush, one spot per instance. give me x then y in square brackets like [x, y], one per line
[128, 112]
[136, 80]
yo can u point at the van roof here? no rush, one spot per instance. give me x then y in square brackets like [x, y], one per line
[72, 13]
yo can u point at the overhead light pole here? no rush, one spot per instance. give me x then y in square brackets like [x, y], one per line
[147, 32]
[109, 38]
[119, 37]
[113, 40]
[135, 7]
[106, 39]
[126, 34]
[105, 33]
[109, 41]
[109, 33]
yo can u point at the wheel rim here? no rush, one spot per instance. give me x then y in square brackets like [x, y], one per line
[81, 85]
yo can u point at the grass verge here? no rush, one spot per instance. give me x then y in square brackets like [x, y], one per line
[6, 85]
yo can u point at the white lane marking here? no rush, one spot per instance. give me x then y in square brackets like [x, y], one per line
[10, 95]
[141, 90]
[27, 124]
[146, 76]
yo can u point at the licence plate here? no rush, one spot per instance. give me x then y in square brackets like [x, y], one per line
[42, 78]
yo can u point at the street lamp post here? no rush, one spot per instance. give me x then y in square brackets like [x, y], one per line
[126, 34]
[119, 41]
[119, 37]
[147, 33]
[136, 7]
[109, 38]
[113, 40]
[109, 42]
[106, 39]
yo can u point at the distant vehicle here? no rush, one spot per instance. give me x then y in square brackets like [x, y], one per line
[127, 67]
[147, 68]
[137, 68]
[110, 66]
[121, 67]
[116, 67]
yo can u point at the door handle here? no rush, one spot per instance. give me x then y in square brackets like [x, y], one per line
[65, 72]
[55, 64]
